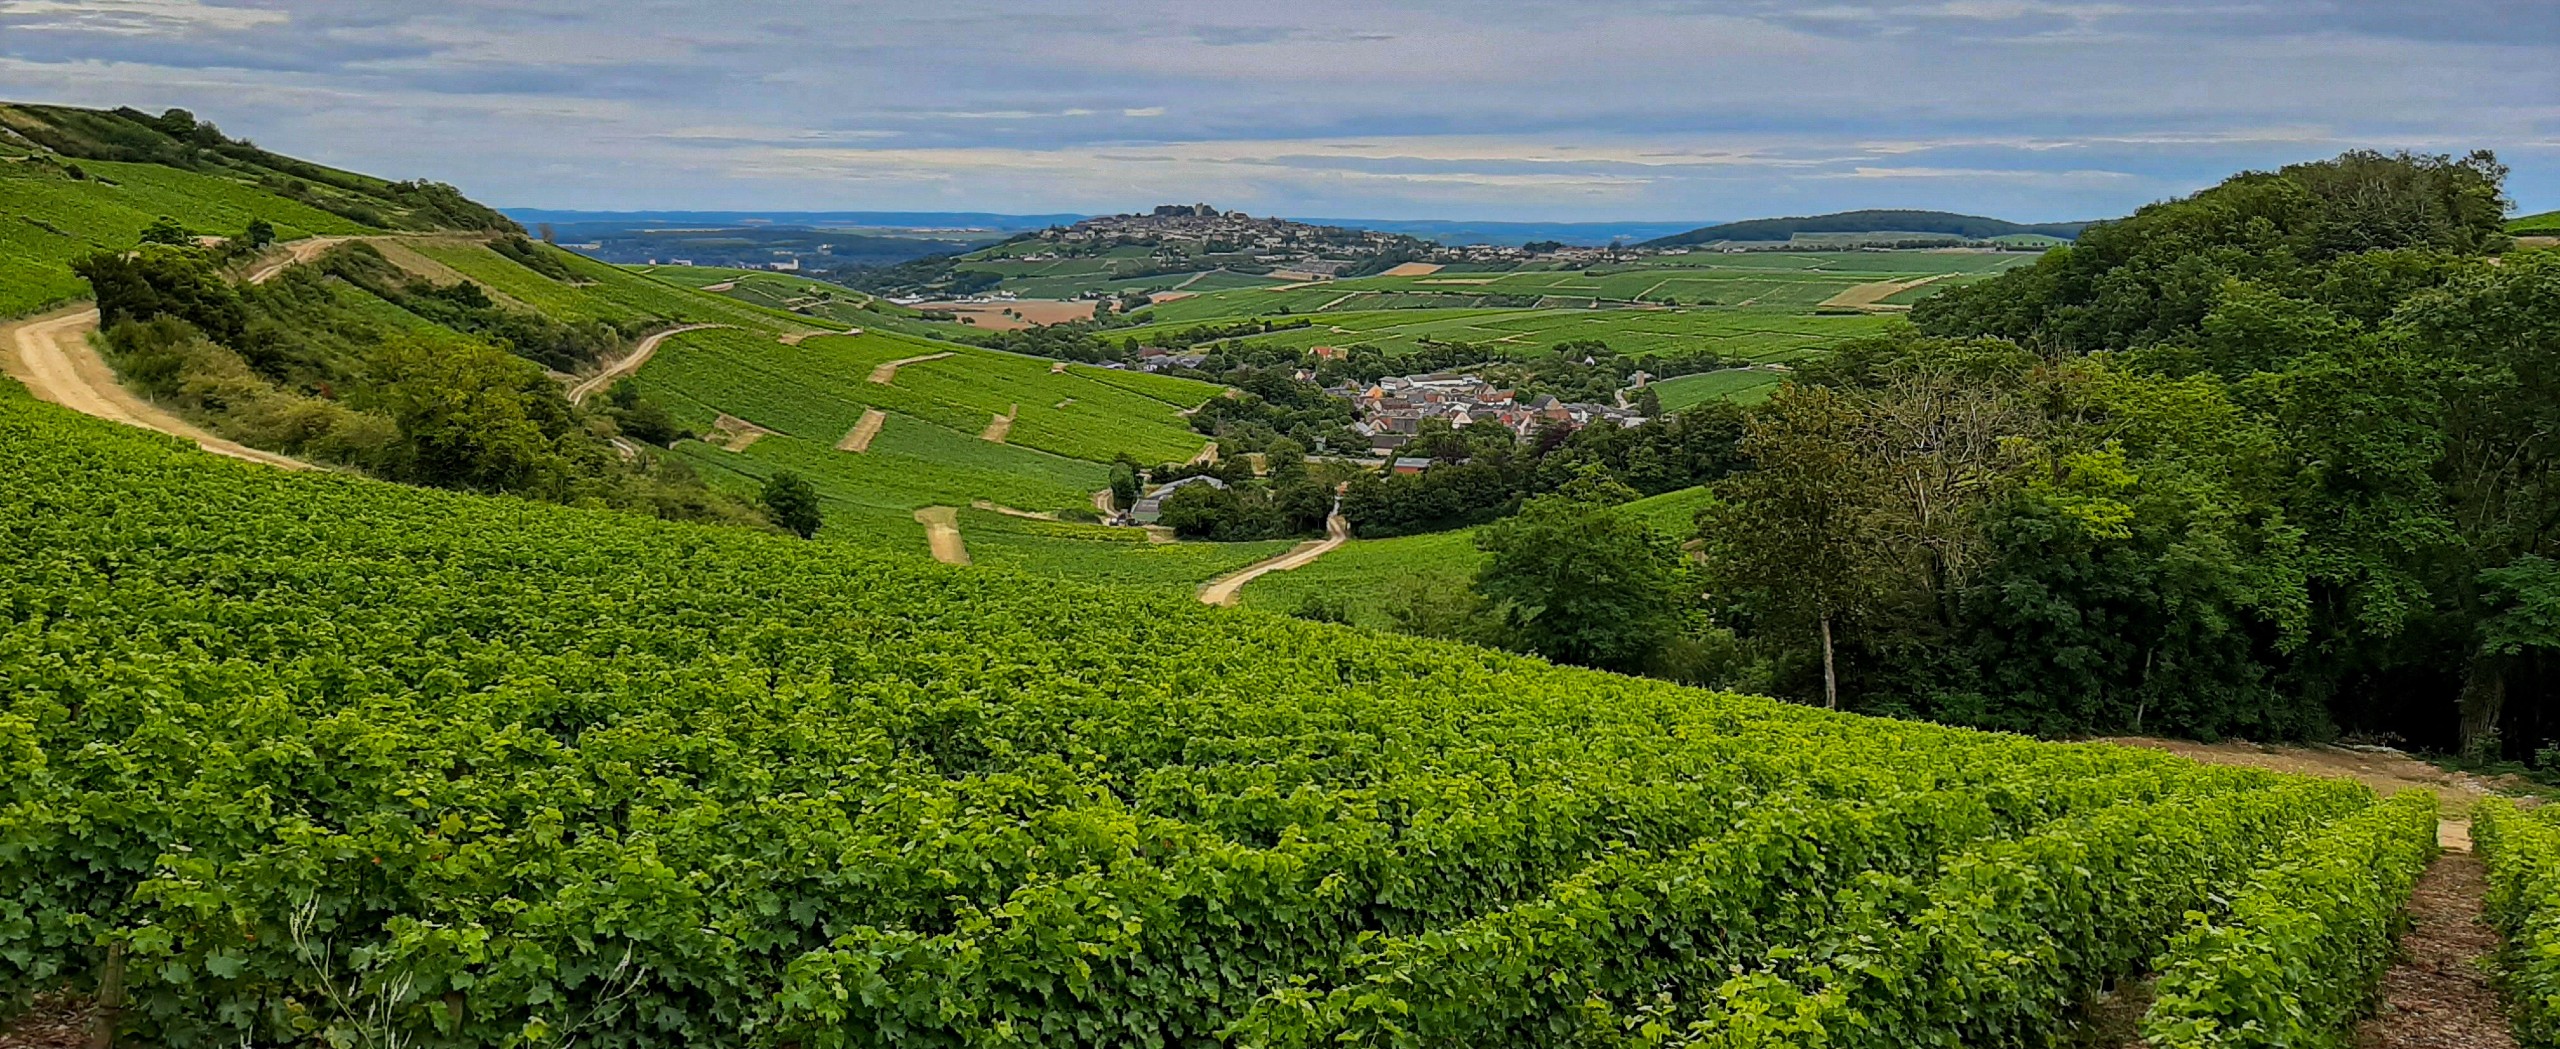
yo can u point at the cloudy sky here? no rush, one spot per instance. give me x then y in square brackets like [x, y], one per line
[1479, 109]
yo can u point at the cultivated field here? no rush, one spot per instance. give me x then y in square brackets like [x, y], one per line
[728, 786]
[47, 220]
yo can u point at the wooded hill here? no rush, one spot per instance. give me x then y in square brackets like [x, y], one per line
[1970, 227]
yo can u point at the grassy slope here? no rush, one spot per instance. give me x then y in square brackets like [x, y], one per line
[2544, 224]
[1365, 571]
[93, 215]
[1689, 390]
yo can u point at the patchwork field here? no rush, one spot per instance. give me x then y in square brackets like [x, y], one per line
[1745, 335]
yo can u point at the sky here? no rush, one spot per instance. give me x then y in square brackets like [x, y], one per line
[1590, 110]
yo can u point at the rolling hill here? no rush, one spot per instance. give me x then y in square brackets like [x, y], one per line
[1969, 227]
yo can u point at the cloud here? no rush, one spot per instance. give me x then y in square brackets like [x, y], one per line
[133, 17]
[1481, 109]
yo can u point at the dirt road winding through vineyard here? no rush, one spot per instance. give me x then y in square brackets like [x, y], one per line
[52, 356]
[630, 362]
[1228, 589]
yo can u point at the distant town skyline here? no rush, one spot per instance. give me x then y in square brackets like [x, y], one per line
[1486, 110]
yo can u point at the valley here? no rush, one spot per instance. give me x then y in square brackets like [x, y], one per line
[1188, 628]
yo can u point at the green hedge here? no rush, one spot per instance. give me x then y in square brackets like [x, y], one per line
[2001, 948]
[2522, 851]
[2297, 959]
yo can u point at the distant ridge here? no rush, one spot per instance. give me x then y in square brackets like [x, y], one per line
[1970, 227]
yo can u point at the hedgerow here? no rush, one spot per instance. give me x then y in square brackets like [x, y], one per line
[2522, 851]
[321, 758]
[2001, 946]
[2299, 955]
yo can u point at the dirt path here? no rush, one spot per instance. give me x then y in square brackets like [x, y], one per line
[2438, 995]
[1059, 368]
[1208, 453]
[1000, 427]
[1102, 503]
[888, 373]
[859, 438]
[630, 362]
[1227, 589]
[991, 506]
[726, 285]
[2386, 771]
[295, 254]
[52, 356]
[942, 534]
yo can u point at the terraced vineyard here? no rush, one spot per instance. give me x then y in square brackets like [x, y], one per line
[318, 758]
[1753, 335]
[46, 220]
[818, 389]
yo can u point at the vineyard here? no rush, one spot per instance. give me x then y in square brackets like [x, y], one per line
[308, 758]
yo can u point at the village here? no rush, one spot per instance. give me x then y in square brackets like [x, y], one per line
[1393, 409]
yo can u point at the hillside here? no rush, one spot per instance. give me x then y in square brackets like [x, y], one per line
[75, 181]
[1968, 227]
[2546, 224]
[727, 786]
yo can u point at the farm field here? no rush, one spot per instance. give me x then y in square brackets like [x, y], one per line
[601, 291]
[47, 220]
[817, 390]
[1734, 384]
[819, 300]
[1748, 335]
[727, 786]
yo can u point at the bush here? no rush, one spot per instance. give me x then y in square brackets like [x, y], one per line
[2522, 851]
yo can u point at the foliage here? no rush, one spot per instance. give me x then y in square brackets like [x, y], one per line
[2298, 956]
[2522, 852]
[791, 503]
[490, 771]
[1573, 579]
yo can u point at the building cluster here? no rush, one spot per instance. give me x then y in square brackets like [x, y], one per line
[1293, 247]
[1392, 409]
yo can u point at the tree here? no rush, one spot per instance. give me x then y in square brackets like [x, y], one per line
[791, 503]
[159, 280]
[166, 230]
[259, 234]
[1580, 582]
[1649, 403]
[1797, 535]
[1124, 484]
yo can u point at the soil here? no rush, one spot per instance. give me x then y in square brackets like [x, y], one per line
[1412, 269]
[1059, 368]
[991, 506]
[1208, 453]
[2438, 994]
[1227, 589]
[859, 438]
[942, 534]
[295, 254]
[629, 363]
[999, 427]
[56, 1022]
[887, 373]
[735, 434]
